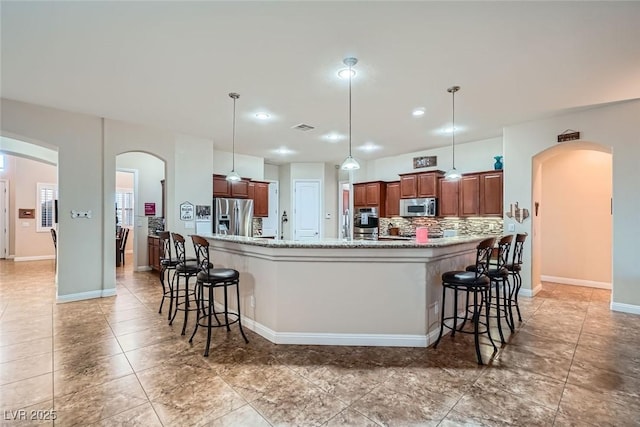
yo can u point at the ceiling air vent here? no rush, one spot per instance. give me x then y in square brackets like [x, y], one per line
[303, 127]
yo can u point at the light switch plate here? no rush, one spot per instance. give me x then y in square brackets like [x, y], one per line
[511, 227]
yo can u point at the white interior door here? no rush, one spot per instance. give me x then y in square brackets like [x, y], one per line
[306, 214]
[4, 222]
[270, 223]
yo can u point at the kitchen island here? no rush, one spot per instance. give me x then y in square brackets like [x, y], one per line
[336, 292]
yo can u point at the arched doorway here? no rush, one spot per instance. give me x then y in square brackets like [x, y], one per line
[572, 223]
[139, 202]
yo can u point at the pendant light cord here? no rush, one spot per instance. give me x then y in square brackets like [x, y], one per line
[233, 138]
[350, 75]
[453, 128]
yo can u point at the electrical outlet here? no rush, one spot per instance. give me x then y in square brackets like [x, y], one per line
[252, 301]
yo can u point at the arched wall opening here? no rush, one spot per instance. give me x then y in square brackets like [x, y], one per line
[29, 166]
[142, 174]
[572, 222]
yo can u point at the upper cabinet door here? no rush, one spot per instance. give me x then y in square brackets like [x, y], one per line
[408, 186]
[359, 194]
[448, 202]
[373, 194]
[393, 199]
[261, 199]
[240, 189]
[470, 195]
[220, 186]
[427, 185]
[491, 197]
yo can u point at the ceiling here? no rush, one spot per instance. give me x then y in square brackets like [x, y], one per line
[171, 65]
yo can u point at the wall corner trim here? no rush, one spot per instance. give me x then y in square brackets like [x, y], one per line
[625, 308]
[86, 295]
[530, 293]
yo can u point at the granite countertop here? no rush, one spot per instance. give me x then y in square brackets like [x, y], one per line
[342, 244]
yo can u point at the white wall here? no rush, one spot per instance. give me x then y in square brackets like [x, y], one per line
[575, 217]
[285, 200]
[150, 171]
[616, 126]
[87, 148]
[271, 172]
[24, 175]
[246, 166]
[80, 182]
[470, 157]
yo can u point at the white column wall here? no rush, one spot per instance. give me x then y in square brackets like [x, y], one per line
[80, 179]
[614, 125]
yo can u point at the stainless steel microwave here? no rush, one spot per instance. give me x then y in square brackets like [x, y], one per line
[418, 207]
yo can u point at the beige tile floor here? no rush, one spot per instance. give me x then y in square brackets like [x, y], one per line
[115, 361]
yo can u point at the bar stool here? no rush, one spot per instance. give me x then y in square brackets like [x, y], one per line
[514, 269]
[477, 283]
[212, 278]
[499, 276]
[187, 269]
[167, 264]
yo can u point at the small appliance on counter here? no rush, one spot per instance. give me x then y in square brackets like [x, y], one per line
[365, 224]
[418, 207]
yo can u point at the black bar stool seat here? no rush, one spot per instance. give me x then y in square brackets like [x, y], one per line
[186, 269]
[476, 283]
[499, 276]
[210, 278]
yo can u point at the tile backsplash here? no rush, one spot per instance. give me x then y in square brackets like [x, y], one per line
[436, 226]
[155, 224]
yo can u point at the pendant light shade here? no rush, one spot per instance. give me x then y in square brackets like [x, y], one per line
[233, 175]
[350, 163]
[452, 174]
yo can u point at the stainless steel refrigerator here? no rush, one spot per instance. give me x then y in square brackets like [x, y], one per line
[233, 217]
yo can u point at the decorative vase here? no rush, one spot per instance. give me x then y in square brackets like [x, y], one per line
[498, 164]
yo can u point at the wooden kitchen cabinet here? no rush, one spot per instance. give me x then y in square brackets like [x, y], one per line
[359, 195]
[224, 188]
[448, 204]
[423, 184]
[260, 198]
[371, 194]
[491, 193]
[154, 251]
[393, 199]
[469, 195]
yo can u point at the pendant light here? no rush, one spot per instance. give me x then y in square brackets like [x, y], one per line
[233, 175]
[453, 174]
[350, 163]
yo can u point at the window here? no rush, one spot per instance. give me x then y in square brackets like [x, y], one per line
[124, 207]
[46, 196]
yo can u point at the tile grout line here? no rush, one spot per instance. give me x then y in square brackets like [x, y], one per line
[129, 362]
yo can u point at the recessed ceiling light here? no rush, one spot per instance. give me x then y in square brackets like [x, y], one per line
[447, 130]
[262, 116]
[344, 73]
[333, 137]
[369, 146]
[418, 112]
[283, 151]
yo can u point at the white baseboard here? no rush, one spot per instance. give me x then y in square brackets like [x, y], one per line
[576, 282]
[33, 258]
[625, 308]
[314, 338]
[530, 293]
[86, 295]
[144, 268]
